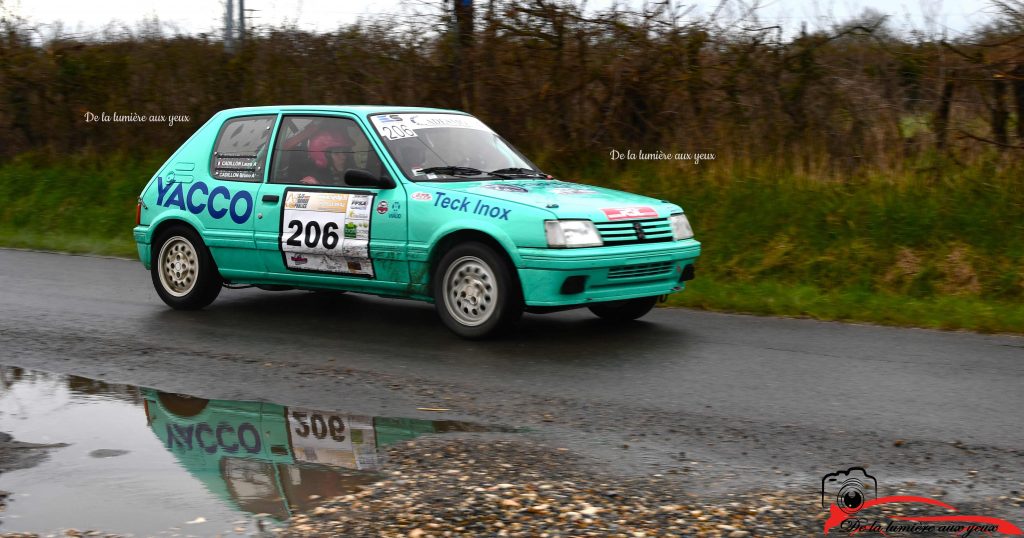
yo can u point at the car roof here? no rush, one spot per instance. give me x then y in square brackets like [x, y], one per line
[361, 110]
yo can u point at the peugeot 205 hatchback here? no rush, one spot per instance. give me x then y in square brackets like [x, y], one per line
[417, 203]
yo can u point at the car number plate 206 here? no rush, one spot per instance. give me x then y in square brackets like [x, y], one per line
[326, 232]
[332, 438]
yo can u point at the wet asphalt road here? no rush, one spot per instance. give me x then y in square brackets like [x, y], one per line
[718, 402]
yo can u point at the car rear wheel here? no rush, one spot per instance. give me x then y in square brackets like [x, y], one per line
[182, 405]
[184, 274]
[627, 310]
[475, 291]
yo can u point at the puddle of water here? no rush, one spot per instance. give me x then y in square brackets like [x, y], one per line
[143, 462]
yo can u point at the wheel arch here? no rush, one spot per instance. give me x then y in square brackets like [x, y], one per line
[456, 237]
[165, 224]
[171, 222]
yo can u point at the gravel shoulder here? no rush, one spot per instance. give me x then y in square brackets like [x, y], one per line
[507, 487]
[487, 486]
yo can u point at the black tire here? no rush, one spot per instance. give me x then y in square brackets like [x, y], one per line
[627, 310]
[182, 405]
[183, 272]
[476, 293]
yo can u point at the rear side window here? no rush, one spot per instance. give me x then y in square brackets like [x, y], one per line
[240, 152]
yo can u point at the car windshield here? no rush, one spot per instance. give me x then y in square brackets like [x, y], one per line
[447, 147]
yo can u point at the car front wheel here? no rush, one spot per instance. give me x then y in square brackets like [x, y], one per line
[627, 310]
[475, 291]
[183, 271]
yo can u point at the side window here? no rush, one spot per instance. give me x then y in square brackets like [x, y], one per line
[313, 150]
[240, 152]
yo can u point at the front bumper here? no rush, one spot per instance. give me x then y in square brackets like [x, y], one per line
[565, 277]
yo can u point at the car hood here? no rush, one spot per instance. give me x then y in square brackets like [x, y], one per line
[565, 199]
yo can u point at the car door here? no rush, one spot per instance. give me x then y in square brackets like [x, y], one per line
[222, 196]
[315, 230]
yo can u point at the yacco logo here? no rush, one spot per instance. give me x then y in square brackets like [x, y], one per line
[239, 205]
[847, 494]
[463, 204]
[209, 439]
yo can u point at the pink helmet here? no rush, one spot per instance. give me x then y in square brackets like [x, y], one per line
[324, 140]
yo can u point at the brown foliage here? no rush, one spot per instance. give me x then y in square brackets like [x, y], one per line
[559, 82]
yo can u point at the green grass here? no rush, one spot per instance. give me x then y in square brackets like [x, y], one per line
[123, 246]
[940, 245]
[937, 245]
[80, 204]
[771, 297]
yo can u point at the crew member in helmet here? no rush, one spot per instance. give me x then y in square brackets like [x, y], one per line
[330, 156]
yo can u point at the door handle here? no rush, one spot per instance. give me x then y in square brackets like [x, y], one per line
[271, 198]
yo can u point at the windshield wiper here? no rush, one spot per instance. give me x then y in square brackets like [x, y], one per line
[453, 170]
[521, 172]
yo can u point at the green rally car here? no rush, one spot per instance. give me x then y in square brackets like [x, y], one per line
[418, 203]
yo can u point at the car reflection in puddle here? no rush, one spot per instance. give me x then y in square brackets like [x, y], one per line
[273, 459]
[251, 458]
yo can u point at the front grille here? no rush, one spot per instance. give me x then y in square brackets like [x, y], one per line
[627, 233]
[640, 269]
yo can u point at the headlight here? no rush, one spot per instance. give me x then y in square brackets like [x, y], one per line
[680, 227]
[571, 234]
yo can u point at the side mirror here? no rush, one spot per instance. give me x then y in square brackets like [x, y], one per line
[362, 178]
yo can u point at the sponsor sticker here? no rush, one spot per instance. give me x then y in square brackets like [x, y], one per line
[382, 207]
[217, 202]
[637, 212]
[330, 202]
[213, 438]
[359, 208]
[422, 196]
[332, 438]
[325, 232]
[299, 200]
[503, 187]
[465, 204]
[334, 202]
[396, 126]
[572, 190]
[426, 121]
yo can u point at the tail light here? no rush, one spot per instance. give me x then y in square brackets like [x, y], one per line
[138, 213]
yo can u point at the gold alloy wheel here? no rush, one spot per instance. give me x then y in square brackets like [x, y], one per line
[179, 266]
